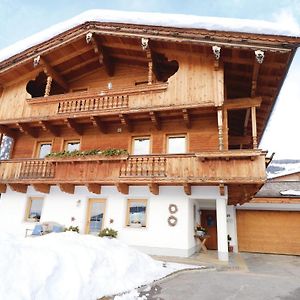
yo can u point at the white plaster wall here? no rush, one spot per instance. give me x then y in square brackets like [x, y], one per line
[157, 238]
[270, 206]
[231, 226]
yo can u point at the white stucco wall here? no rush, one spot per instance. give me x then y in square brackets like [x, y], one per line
[157, 238]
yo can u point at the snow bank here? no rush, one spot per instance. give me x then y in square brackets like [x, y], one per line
[153, 19]
[290, 193]
[69, 266]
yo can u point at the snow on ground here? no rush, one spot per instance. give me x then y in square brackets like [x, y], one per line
[69, 266]
[154, 19]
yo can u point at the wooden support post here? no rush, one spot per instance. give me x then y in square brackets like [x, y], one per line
[146, 48]
[98, 124]
[125, 122]
[222, 189]
[186, 118]
[3, 188]
[220, 129]
[187, 188]
[67, 188]
[43, 188]
[225, 129]
[122, 188]
[94, 188]
[71, 123]
[25, 128]
[48, 86]
[46, 126]
[254, 130]
[155, 120]
[7, 131]
[17, 187]
[154, 188]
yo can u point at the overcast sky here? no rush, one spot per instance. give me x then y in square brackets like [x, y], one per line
[20, 19]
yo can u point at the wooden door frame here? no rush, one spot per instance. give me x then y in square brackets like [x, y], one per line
[88, 211]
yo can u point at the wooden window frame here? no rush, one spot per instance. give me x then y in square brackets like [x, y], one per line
[137, 137]
[88, 212]
[185, 135]
[66, 141]
[28, 208]
[36, 151]
[144, 201]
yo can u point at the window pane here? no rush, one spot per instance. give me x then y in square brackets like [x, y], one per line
[36, 209]
[141, 146]
[5, 147]
[72, 146]
[45, 149]
[96, 217]
[137, 214]
[176, 144]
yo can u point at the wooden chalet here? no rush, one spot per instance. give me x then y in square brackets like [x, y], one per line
[189, 105]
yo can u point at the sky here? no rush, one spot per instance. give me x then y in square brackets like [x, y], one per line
[20, 19]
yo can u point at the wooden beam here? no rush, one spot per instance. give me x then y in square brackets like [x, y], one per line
[155, 119]
[255, 72]
[241, 103]
[102, 53]
[71, 123]
[94, 188]
[154, 188]
[187, 188]
[97, 123]
[17, 187]
[46, 126]
[125, 122]
[7, 131]
[222, 189]
[146, 48]
[43, 188]
[186, 118]
[51, 72]
[67, 188]
[122, 188]
[3, 188]
[79, 66]
[25, 128]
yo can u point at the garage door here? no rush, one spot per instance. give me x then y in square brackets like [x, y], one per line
[269, 231]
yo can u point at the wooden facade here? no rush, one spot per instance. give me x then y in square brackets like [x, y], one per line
[103, 87]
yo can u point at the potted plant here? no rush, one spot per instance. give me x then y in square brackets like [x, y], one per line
[200, 230]
[230, 247]
[108, 232]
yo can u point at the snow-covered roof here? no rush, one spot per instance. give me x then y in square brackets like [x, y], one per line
[153, 19]
[290, 193]
[279, 168]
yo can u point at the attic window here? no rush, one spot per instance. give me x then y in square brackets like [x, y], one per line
[36, 87]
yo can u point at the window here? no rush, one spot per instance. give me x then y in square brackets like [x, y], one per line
[176, 144]
[34, 209]
[5, 148]
[44, 148]
[72, 145]
[141, 145]
[136, 212]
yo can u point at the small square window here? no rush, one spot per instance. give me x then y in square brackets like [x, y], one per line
[44, 148]
[136, 212]
[141, 146]
[176, 144]
[72, 145]
[34, 209]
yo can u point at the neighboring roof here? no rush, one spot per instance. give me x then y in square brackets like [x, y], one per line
[277, 189]
[279, 168]
[153, 19]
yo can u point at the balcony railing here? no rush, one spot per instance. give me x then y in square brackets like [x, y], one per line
[236, 166]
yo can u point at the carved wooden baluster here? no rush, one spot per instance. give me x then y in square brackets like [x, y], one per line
[48, 86]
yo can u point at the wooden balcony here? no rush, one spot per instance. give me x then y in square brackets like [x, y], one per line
[242, 171]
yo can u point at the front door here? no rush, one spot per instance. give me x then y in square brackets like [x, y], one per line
[95, 215]
[209, 221]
